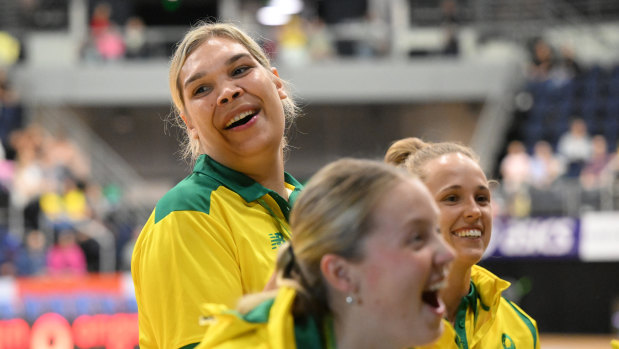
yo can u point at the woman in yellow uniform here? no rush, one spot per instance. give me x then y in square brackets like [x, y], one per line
[214, 236]
[363, 268]
[480, 316]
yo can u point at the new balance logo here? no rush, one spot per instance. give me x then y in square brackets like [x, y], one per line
[276, 240]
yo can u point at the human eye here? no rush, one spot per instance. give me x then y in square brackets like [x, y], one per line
[484, 199]
[240, 70]
[451, 198]
[201, 90]
[416, 238]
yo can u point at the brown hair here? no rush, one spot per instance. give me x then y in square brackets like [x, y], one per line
[201, 33]
[333, 215]
[413, 154]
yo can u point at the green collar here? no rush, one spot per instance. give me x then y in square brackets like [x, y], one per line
[242, 184]
[308, 336]
[469, 301]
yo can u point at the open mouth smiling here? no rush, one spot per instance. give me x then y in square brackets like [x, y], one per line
[430, 295]
[241, 119]
[468, 233]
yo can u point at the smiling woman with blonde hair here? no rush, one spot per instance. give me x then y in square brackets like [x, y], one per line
[480, 316]
[214, 236]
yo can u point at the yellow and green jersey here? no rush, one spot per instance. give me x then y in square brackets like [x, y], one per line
[269, 325]
[210, 239]
[486, 320]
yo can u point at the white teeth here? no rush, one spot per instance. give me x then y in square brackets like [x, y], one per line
[239, 117]
[472, 233]
[436, 286]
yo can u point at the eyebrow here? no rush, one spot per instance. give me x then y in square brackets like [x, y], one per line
[201, 74]
[457, 186]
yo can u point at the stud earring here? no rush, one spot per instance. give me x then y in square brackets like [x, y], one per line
[350, 299]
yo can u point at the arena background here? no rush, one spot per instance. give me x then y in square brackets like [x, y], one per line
[366, 72]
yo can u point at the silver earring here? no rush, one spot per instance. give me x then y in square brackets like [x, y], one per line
[350, 299]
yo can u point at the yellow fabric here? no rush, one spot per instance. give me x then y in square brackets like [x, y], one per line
[499, 327]
[190, 258]
[227, 330]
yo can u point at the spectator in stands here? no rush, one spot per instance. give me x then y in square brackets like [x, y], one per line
[515, 167]
[135, 38]
[473, 296]
[596, 171]
[65, 160]
[11, 115]
[66, 205]
[8, 249]
[31, 259]
[29, 180]
[101, 18]
[449, 10]
[292, 42]
[319, 40]
[365, 271]
[214, 236]
[546, 167]
[575, 147]
[542, 60]
[66, 257]
[105, 41]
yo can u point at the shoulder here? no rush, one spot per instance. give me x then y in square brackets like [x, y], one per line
[191, 194]
[516, 319]
[516, 311]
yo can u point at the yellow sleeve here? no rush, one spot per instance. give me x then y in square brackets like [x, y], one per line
[179, 263]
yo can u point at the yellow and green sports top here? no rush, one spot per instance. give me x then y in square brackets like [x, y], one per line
[269, 325]
[211, 239]
[486, 320]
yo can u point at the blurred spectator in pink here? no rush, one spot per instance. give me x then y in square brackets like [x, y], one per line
[546, 167]
[593, 173]
[575, 147]
[111, 45]
[66, 257]
[515, 167]
[105, 39]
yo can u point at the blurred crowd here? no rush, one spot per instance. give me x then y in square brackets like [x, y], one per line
[557, 164]
[54, 218]
[109, 41]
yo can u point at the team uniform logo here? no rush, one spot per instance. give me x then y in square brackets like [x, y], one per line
[276, 240]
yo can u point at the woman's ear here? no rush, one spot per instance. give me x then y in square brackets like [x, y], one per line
[193, 134]
[279, 85]
[338, 272]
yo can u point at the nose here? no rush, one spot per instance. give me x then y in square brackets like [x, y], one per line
[229, 93]
[472, 211]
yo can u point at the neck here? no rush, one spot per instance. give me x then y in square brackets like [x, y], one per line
[268, 171]
[458, 286]
[270, 174]
[355, 331]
